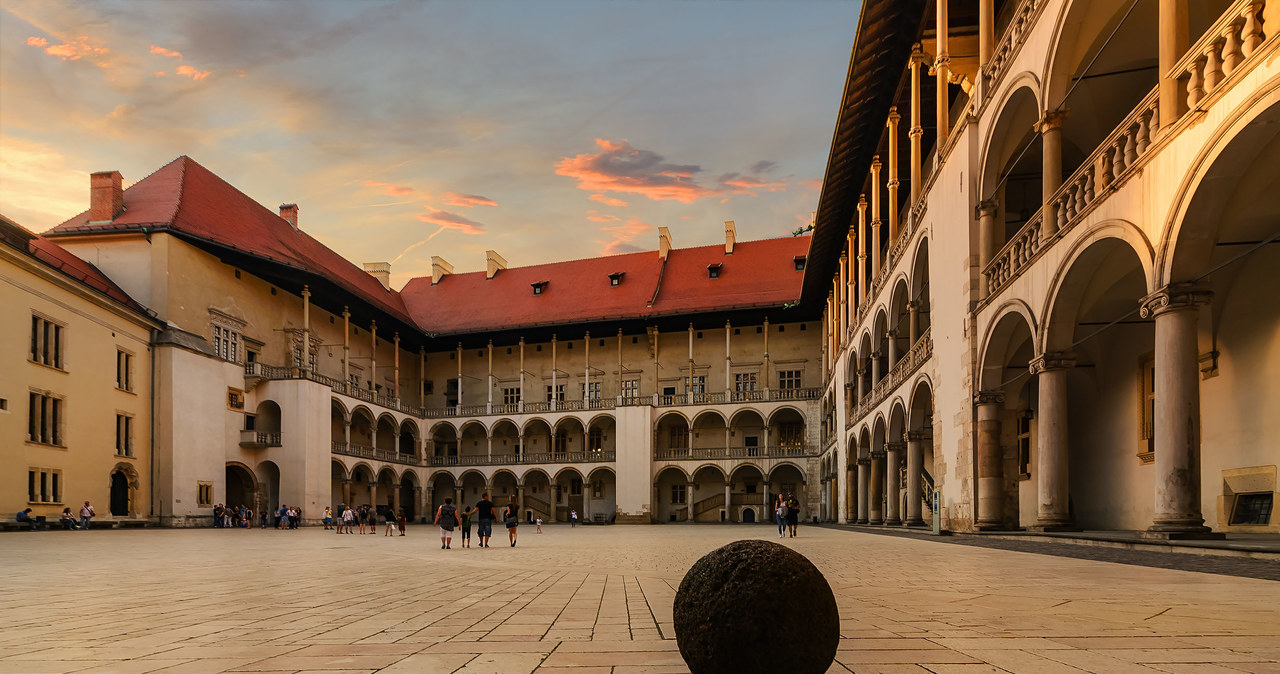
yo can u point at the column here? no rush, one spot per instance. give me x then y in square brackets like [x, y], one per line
[373, 493]
[728, 495]
[893, 347]
[1177, 412]
[1050, 128]
[915, 475]
[346, 492]
[875, 368]
[893, 474]
[422, 375]
[986, 32]
[396, 382]
[842, 291]
[346, 433]
[851, 291]
[728, 363]
[520, 500]
[916, 132]
[987, 241]
[941, 64]
[864, 476]
[459, 357]
[990, 474]
[766, 354]
[555, 393]
[586, 383]
[876, 497]
[765, 504]
[395, 497]
[850, 494]
[419, 503]
[1052, 481]
[620, 366]
[689, 388]
[428, 501]
[862, 249]
[585, 515]
[688, 501]
[305, 353]
[489, 352]
[373, 361]
[522, 391]
[346, 347]
[875, 216]
[1174, 36]
[913, 322]
[894, 208]
[862, 385]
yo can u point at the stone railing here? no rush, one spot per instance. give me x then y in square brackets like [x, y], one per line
[1234, 37]
[1018, 252]
[700, 453]
[528, 458]
[262, 371]
[1024, 17]
[913, 360]
[259, 439]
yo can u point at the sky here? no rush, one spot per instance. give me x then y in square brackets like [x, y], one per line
[546, 130]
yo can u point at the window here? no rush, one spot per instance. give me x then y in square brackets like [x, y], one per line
[559, 393]
[124, 370]
[428, 386]
[597, 489]
[204, 494]
[1024, 444]
[615, 279]
[235, 399]
[46, 342]
[799, 260]
[297, 357]
[562, 443]
[678, 438]
[44, 485]
[679, 494]
[789, 379]
[226, 343]
[791, 436]
[124, 435]
[713, 271]
[595, 440]
[591, 391]
[744, 381]
[4, 404]
[1253, 509]
[1148, 403]
[630, 388]
[511, 396]
[575, 487]
[539, 286]
[44, 419]
[699, 384]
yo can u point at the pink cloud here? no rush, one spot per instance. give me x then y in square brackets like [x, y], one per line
[165, 52]
[608, 201]
[623, 235]
[159, 73]
[449, 220]
[467, 200]
[188, 71]
[750, 186]
[619, 167]
[37, 41]
[73, 50]
[596, 216]
[813, 184]
[389, 189]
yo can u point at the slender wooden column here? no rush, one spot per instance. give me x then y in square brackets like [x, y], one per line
[892, 124]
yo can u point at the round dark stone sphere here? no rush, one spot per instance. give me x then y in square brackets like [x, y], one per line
[756, 606]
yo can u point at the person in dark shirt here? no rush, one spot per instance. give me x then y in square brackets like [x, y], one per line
[24, 517]
[484, 520]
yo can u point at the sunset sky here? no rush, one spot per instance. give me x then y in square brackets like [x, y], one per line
[546, 130]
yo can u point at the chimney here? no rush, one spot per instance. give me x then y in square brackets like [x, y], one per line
[730, 235]
[289, 212]
[378, 270]
[439, 269]
[664, 242]
[493, 263]
[106, 196]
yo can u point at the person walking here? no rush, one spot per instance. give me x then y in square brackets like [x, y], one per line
[573, 518]
[512, 519]
[793, 513]
[538, 521]
[328, 518]
[392, 528]
[484, 519]
[780, 515]
[402, 520]
[86, 514]
[466, 526]
[348, 519]
[363, 516]
[262, 519]
[447, 518]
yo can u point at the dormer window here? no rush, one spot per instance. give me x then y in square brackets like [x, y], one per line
[539, 286]
[799, 260]
[615, 279]
[713, 270]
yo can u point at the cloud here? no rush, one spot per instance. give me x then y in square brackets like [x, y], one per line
[416, 244]
[37, 41]
[166, 52]
[188, 71]
[608, 201]
[623, 235]
[813, 184]
[596, 216]
[467, 200]
[389, 189]
[449, 220]
[619, 167]
[72, 50]
[159, 73]
[763, 166]
[737, 183]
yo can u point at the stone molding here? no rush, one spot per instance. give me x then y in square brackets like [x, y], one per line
[1052, 360]
[1174, 297]
[1052, 119]
[988, 398]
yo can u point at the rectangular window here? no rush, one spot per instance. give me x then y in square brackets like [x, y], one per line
[679, 494]
[678, 438]
[124, 370]
[44, 419]
[559, 397]
[1252, 509]
[44, 485]
[204, 494]
[591, 391]
[699, 384]
[46, 342]
[297, 358]
[744, 381]
[511, 396]
[789, 379]
[562, 443]
[791, 436]
[1024, 444]
[235, 399]
[595, 440]
[630, 388]
[1147, 401]
[575, 487]
[124, 435]
[226, 343]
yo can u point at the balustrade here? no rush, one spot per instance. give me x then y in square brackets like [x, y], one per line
[1024, 17]
[1231, 39]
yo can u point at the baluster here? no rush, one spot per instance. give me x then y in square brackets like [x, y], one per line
[1144, 133]
[1077, 189]
[1231, 55]
[1252, 28]
[1104, 168]
[1130, 148]
[1088, 187]
[1212, 68]
[1062, 210]
[1154, 124]
[1117, 158]
[1195, 85]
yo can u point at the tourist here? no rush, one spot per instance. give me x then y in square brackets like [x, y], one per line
[539, 522]
[24, 517]
[362, 518]
[86, 514]
[217, 516]
[348, 518]
[295, 516]
[793, 513]
[328, 518]
[390, 518]
[512, 518]
[68, 520]
[573, 518]
[780, 515]
[484, 515]
[262, 519]
[447, 518]
[403, 520]
[247, 518]
[466, 526]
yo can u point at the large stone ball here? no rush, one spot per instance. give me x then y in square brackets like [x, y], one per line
[756, 606]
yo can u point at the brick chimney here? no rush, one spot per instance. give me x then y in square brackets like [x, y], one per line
[106, 196]
[289, 212]
[730, 236]
[493, 264]
[439, 269]
[664, 242]
[378, 270]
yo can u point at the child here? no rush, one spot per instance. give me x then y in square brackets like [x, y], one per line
[466, 526]
[539, 522]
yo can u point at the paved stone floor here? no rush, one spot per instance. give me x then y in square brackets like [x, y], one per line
[590, 600]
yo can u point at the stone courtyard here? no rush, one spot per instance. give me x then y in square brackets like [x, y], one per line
[588, 600]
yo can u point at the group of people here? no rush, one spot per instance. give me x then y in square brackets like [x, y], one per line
[484, 512]
[241, 517]
[67, 519]
[786, 510]
[366, 517]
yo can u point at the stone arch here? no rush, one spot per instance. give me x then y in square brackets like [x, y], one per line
[1003, 339]
[505, 436]
[880, 342]
[672, 497]
[536, 437]
[1012, 170]
[897, 421]
[407, 442]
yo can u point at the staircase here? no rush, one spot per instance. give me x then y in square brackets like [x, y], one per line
[538, 506]
[709, 504]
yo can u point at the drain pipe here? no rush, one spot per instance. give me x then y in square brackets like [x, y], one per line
[151, 476]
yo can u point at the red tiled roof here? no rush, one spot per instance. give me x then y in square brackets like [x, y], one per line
[64, 261]
[757, 274]
[188, 199]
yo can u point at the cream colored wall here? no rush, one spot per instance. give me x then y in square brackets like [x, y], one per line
[94, 328]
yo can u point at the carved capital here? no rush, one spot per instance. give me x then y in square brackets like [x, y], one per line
[916, 436]
[913, 305]
[862, 202]
[1053, 360]
[875, 164]
[989, 398]
[941, 62]
[987, 208]
[878, 453]
[844, 257]
[894, 117]
[898, 447]
[1174, 297]
[892, 184]
[1051, 120]
[864, 461]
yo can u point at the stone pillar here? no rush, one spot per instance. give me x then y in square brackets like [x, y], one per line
[892, 336]
[1174, 36]
[489, 353]
[689, 491]
[1177, 412]
[346, 492]
[346, 347]
[893, 174]
[728, 498]
[844, 296]
[850, 495]
[346, 433]
[523, 393]
[916, 132]
[728, 362]
[875, 368]
[862, 383]
[395, 391]
[990, 468]
[876, 497]
[373, 366]
[765, 504]
[876, 260]
[1050, 128]
[941, 66]
[373, 493]
[862, 250]
[913, 322]
[305, 349]
[458, 493]
[987, 239]
[428, 500]
[915, 476]
[555, 392]
[420, 504]
[1052, 480]
[893, 475]
[520, 501]
[460, 399]
[986, 31]
[395, 497]
[864, 494]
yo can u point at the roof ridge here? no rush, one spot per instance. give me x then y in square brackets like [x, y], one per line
[182, 186]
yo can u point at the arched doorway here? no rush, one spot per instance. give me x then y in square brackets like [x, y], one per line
[537, 495]
[671, 495]
[748, 515]
[1006, 419]
[119, 494]
[269, 489]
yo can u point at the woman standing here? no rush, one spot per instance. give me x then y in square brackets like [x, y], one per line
[780, 515]
[390, 517]
[328, 518]
[447, 518]
[402, 520]
[512, 518]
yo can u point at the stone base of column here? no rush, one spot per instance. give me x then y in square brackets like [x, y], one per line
[876, 522]
[1181, 531]
[893, 522]
[861, 521]
[917, 522]
[1042, 528]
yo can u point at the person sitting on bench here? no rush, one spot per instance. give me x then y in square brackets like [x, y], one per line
[24, 517]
